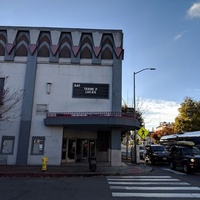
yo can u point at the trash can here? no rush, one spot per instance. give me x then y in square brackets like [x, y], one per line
[44, 164]
[92, 164]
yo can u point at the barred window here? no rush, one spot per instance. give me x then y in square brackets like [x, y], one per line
[7, 145]
[38, 145]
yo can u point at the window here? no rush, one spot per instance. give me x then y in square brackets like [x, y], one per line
[2, 80]
[41, 109]
[38, 145]
[7, 145]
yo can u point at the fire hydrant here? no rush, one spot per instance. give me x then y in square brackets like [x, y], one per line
[44, 164]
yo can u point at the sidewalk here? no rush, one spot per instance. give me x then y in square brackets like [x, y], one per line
[69, 170]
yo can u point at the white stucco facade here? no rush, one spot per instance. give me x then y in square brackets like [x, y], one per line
[71, 107]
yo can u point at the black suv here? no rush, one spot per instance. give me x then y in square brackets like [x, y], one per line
[185, 155]
[156, 153]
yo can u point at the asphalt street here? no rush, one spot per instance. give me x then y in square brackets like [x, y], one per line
[160, 183]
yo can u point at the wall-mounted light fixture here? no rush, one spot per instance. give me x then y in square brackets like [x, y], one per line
[48, 87]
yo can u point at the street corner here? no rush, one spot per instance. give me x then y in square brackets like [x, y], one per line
[140, 169]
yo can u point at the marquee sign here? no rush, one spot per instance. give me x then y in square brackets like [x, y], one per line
[89, 90]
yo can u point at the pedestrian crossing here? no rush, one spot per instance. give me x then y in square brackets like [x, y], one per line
[151, 187]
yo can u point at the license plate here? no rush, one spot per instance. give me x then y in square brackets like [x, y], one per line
[164, 158]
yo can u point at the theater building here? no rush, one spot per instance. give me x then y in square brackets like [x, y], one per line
[72, 84]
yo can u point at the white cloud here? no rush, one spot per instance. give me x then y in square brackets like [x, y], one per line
[178, 36]
[159, 111]
[194, 11]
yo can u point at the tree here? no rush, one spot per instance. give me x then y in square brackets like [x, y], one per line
[9, 100]
[164, 131]
[128, 110]
[189, 116]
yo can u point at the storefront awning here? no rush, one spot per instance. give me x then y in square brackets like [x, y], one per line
[88, 120]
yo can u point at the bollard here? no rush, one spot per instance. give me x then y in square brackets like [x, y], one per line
[44, 164]
[92, 164]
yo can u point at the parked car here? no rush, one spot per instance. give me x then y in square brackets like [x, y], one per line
[185, 155]
[156, 154]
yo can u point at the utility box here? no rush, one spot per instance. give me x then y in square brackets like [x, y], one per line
[92, 164]
[135, 156]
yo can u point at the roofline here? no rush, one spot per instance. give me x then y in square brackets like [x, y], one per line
[83, 30]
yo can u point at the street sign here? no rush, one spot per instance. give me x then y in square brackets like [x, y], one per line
[143, 133]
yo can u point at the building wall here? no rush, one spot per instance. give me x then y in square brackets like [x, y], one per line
[61, 91]
[60, 99]
[15, 81]
[33, 57]
[53, 144]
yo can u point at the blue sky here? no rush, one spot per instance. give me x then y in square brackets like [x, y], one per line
[164, 34]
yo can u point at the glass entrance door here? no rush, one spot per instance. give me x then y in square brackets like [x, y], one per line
[92, 148]
[71, 150]
[64, 150]
[84, 149]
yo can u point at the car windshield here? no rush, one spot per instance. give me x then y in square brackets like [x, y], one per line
[158, 148]
[191, 151]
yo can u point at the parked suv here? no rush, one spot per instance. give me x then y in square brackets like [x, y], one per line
[156, 153]
[185, 155]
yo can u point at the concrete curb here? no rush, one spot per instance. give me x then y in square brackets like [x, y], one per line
[73, 171]
[84, 174]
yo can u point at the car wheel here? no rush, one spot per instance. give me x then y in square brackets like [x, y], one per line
[186, 168]
[172, 165]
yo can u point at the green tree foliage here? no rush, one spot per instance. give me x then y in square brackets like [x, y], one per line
[189, 116]
[126, 110]
[139, 117]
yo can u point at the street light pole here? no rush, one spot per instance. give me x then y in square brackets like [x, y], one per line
[134, 102]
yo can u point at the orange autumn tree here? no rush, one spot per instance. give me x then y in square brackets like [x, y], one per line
[158, 134]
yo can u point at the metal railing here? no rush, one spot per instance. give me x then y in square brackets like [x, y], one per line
[89, 114]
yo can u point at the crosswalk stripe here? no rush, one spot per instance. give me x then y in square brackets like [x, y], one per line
[148, 183]
[175, 172]
[159, 195]
[145, 179]
[148, 188]
[138, 177]
[153, 188]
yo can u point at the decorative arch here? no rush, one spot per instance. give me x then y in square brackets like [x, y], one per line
[21, 49]
[86, 51]
[44, 39]
[2, 49]
[65, 40]
[44, 45]
[107, 52]
[65, 51]
[107, 41]
[2, 38]
[44, 50]
[22, 38]
[22, 43]
[86, 40]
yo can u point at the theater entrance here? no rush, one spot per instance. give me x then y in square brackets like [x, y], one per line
[78, 150]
